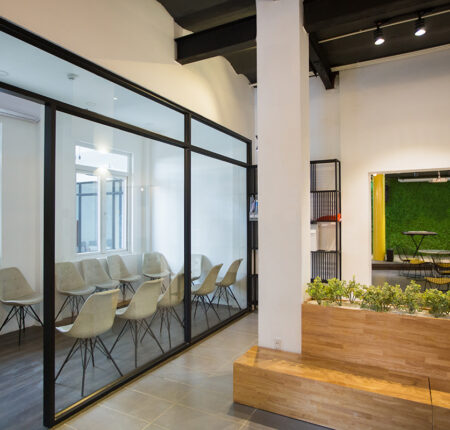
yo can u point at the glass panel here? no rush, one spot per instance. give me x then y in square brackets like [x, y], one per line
[32, 69]
[219, 241]
[101, 159]
[115, 213]
[87, 212]
[140, 192]
[21, 269]
[210, 138]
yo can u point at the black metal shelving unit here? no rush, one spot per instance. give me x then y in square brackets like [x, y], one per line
[253, 226]
[326, 208]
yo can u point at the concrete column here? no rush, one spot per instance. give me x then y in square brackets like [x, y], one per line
[379, 219]
[283, 171]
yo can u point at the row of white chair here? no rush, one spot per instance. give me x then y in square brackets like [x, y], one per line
[97, 314]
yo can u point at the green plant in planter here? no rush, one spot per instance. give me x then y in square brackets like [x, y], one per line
[380, 298]
[335, 290]
[353, 290]
[437, 301]
[317, 290]
[411, 299]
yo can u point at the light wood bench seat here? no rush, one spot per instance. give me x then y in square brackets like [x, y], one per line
[335, 394]
[440, 399]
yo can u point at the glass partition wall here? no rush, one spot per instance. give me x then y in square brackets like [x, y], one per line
[143, 230]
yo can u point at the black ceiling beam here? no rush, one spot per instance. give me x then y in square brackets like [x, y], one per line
[319, 63]
[222, 13]
[320, 14]
[221, 40]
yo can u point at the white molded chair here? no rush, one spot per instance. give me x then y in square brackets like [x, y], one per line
[16, 292]
[196, 267]
[201, 292]
[155, 265]
[119, 272]
[224, 285]
[69, 282]
[95, 318]
[172, 297]
[95, 275]
[142, 306]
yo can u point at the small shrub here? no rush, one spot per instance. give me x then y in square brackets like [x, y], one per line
[437, 301]
[335, 290]
[380, 298]
[316, 290]
[353, 290]
[411, 299]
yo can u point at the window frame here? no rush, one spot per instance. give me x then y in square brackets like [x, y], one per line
[101, 204]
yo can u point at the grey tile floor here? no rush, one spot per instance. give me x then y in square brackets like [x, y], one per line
[192, 392]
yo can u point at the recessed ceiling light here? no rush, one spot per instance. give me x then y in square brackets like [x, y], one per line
[420, 27]
[4, 73]
[115, 98]
[378, 36]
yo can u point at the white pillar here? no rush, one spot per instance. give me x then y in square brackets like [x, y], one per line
[283, 171]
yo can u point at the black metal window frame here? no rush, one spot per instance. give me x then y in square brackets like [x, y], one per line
[52, 106]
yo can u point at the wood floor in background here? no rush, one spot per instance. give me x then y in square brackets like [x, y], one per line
[21, 368]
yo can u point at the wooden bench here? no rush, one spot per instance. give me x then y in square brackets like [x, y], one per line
[440, 399]
[334, 394]
[358, 370]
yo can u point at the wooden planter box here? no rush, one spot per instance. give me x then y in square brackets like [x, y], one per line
[398, 342]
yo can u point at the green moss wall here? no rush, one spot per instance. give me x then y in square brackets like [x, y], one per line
[417, 206]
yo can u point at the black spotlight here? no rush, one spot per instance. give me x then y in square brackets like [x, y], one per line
[378, 36]
[420, 27]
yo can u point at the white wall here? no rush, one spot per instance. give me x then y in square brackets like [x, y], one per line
[21, 202]
[136, 40]
[392, 116]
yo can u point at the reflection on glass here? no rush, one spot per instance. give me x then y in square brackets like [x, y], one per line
[87, 213]
[210, 138]
[115, 212]
[119, 283]
[219, 241]
[35, 70]
[21, 283]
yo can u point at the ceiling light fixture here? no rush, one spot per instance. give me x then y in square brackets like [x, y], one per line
[378, 36]
[115, 98]
[420, 27]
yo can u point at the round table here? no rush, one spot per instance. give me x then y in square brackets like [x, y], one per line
[421, 233]
[443, 252]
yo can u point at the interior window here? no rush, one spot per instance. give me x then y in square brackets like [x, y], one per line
[101, 201]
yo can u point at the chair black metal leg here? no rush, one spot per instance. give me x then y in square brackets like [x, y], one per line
[35, 316]
[168, 327]
[62, 307]
[228, 300]
[84, 363]
[202, 299]
[108, 354]
[196, 304]
[150, 331]
[158, 312]
[161, 322]
[178, 317]
[10, 316]
[91, 347]
[119, 335]
[68, 357]
[135, 340]
[211, 306]
[234, 297]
